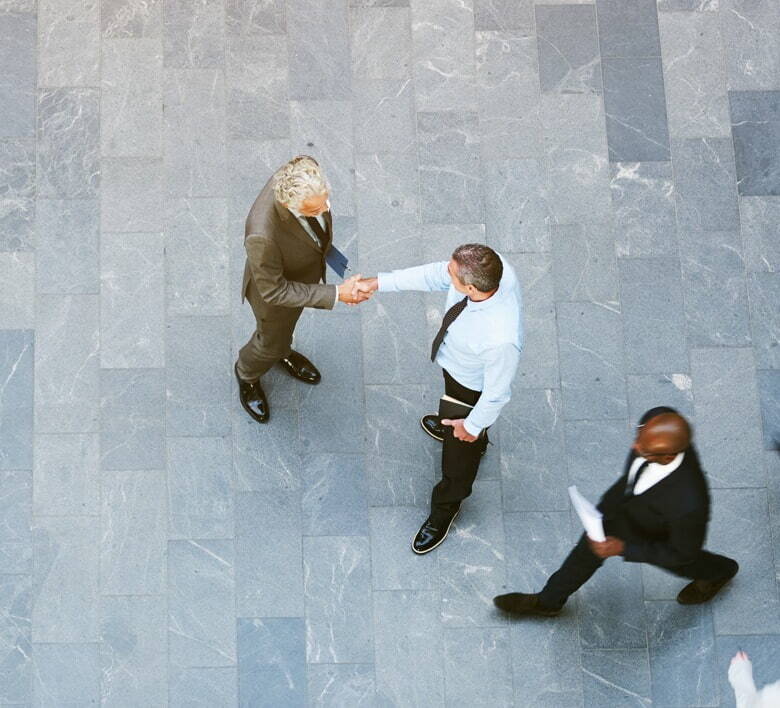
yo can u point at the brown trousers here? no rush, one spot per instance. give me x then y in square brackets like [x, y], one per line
[271, 341]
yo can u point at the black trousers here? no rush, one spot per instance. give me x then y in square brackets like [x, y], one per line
[581, 563]
[459, 459]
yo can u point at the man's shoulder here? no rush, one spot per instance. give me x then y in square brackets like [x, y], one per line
[263, 217]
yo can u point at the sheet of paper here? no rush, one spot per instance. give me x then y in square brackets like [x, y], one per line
[589, 515]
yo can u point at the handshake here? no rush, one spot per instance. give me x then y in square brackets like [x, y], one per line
[357, 289]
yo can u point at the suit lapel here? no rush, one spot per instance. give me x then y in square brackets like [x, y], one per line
[292, 226]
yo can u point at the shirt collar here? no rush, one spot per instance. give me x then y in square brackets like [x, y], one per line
[669, 468]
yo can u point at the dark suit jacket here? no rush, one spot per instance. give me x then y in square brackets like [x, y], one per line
[283, 261]
[667, 524]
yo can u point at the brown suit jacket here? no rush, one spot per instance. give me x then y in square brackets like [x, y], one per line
[283, 262]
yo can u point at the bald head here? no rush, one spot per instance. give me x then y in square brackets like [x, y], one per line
[663, 436]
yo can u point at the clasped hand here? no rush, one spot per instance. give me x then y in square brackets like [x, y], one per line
[357, 289]
[612, 546]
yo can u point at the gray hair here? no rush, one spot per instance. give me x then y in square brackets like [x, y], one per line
[298, 180]
[478, 265]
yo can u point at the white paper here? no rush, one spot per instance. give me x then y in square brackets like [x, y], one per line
[589, 515]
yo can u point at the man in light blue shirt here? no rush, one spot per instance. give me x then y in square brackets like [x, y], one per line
[478, 347]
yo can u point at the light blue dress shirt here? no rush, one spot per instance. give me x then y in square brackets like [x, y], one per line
[481, 349]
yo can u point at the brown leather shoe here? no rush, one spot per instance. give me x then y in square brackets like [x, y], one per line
[520, 603]
[301, 368]
[252, 398]
[700, 591]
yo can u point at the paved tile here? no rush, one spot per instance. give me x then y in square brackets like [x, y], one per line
[337, 590]
[616, 677]
[750, 36]
[333, 685]
[758, 215]
[67, 240]
[646, 391]
[133, 651]
[18, 63]
[394, 565]
[755, 126]
[16, 399]
[471, 654]
[635, 110]
[271, 662]
[193, 35]
[381, 42]
[254, 17]
[769, 394]
[584, 267]
[335, 495]
[131, 197]
[628, 28]
[201, 611]
[66, 674]
[646, 351]
[16, 515]
[17, 200]
[569, 60]
[66, 475]
[69, 43]
[383, 115]
[125, 18]
[596, 454]
[203, 687]
[134, 533]
[17, 299]
[503, 14]
[16, 662]
[695, 83]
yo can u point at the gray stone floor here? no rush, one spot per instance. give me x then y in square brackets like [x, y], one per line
[158, 548]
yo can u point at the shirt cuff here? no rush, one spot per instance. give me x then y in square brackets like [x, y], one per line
[336, 301]
[470, 429]
[386, 282]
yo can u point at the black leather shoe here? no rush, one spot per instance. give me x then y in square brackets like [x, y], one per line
[431, 424]
[520, 603]
[301, 368]
[432, 533]
[700, 591]
[253, 398]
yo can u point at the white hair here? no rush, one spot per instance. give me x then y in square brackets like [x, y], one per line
[298, 180]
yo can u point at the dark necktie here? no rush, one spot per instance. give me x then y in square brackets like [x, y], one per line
[449, 318]
[630, 487]
[314, 223]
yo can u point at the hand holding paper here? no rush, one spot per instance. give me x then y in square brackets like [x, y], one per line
[589, 515]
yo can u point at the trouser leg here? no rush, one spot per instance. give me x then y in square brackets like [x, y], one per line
[270, 342]
[707, 566]
[459, 459]
[575, 571]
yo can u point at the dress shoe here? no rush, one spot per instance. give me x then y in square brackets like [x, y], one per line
[432, 533]
[431, 424]
[520, 603]
[700, 591]
[253, 398]
[301, 368]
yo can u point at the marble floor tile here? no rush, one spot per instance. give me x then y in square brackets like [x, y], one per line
[406, 626]
[508, 100]
[383, 115]
[16, 399]
[194, 34]
[569, 60]
[17, 290]
[335, 495]
[728, 419]
[381, 40]
[66, 675]
[68, 43]
[616, 677]
[121, 19]
[335, 685]
[769, 395]
[443, 63]
[254, 17]
[317, 69]
[635, 110]
[65, 580]
[133, 533]
[203, 688]
[16, 521]
[694, 74]
[17, 199]
[755, 127]
[646, 391]
[503, 14]
[584, 264]
[16, 662]
[133, 651]
[337, 592]
[472, 654]
[131, 197]
[750, 35]
[596, 452]
[271, 662]
[713, 276]
[682, 654]
[66, 475]
[18, 63]
[646, 352]
[628, 28]
[67, 246]
[201, 609]
[131, 102]
[758, 219]
[269, 555]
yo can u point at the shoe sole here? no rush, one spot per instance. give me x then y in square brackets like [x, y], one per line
[439, 542]
[710, 598]
[428, 432]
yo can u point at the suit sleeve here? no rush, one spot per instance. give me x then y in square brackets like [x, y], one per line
[265, 264]
[686, 538]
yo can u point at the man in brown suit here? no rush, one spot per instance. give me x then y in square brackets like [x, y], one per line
[288, 233]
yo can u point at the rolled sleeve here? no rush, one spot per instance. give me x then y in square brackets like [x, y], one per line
[500, 368]
[428, 278]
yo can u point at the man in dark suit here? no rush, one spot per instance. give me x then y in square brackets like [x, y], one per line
[288, 233]
[657, 513]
